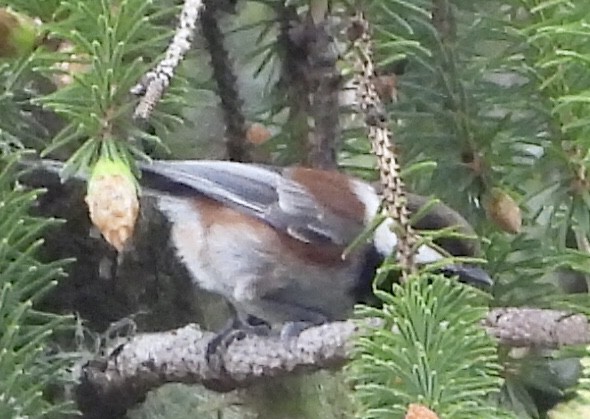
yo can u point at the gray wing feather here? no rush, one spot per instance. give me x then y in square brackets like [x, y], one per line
[259, 191]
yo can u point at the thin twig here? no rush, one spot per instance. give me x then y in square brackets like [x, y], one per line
[381, 136]
[156, 81]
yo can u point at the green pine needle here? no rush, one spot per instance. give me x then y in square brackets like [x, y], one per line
[432, 350]
[26, 367]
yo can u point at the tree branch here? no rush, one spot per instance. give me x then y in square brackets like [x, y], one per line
[153, 84]
[109, 387]
[324, 84]
[519, 327]
[311, 83]
[383, 145]
[227, 84]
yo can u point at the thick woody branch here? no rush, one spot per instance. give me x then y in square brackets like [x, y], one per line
[521, 327]
[324, 87]
[310, 82]
[227, 84]
[108, 388]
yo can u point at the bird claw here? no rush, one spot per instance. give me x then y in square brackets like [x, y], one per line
[293, 329]
[290, 331]
[234, 330]
[222, 341]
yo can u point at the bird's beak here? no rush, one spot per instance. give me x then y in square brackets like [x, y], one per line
[471, 275]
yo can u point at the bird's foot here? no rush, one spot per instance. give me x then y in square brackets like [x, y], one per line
[291, 331]
[234, 330]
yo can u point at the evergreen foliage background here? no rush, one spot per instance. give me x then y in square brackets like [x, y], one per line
[493, 96]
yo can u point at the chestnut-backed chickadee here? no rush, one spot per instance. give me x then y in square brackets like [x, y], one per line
[271, 240]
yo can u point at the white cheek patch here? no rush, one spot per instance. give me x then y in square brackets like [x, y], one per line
[385, 239]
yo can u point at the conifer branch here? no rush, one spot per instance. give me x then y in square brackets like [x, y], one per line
[312, 83]
[156, 81]
[381, 137]
[292, 84]
[324, 86]
[535, 327]
[227, 85]
[111, 386]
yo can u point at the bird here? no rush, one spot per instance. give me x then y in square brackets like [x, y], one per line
[272, 240]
